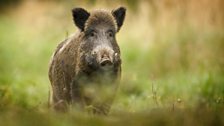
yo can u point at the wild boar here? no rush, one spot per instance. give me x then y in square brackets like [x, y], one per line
[86, 67]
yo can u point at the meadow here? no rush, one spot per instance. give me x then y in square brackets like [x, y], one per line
[172, 62]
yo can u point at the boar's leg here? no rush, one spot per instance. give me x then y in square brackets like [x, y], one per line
[59, 100]
[75, 92]
[60, 87]
[102, 109]
[61, 106]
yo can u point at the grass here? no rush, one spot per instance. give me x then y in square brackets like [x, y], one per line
[172, 72]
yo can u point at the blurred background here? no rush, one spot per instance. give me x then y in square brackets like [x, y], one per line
[172, 52]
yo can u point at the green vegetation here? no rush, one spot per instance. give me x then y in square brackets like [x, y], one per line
[172, 59]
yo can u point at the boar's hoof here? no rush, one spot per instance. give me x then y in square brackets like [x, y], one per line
[61, 106]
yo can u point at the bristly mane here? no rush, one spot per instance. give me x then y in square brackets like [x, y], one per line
[101, 17]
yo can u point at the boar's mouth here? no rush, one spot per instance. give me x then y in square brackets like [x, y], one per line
[105, 62]
[103, 65]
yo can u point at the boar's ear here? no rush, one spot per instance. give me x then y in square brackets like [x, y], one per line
[119, 15]
[80, 16]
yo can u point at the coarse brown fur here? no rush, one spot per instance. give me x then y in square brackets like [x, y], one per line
[68, 63]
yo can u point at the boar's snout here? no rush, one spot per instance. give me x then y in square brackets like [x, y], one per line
[104, 55]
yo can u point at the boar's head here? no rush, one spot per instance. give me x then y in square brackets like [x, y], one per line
[98, 49]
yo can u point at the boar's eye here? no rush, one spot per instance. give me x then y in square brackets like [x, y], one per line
[110, 33]
[92, 33]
